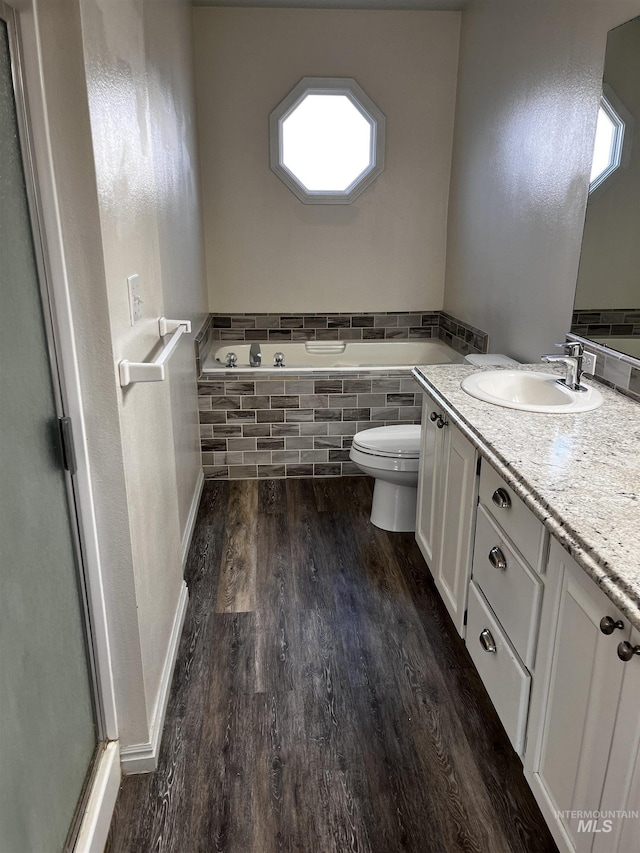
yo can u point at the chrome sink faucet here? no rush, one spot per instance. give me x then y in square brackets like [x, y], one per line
[572, 358]
[255, 356]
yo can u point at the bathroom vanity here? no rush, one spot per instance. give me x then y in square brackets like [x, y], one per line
[530, 524]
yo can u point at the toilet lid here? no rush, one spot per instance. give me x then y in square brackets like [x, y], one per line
[400, 441]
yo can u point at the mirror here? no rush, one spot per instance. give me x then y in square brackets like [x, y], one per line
[607, 300]
[327, 140]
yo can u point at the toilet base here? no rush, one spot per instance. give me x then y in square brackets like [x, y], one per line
[394, 506]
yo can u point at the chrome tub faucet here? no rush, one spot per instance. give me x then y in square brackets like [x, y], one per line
[255, 356]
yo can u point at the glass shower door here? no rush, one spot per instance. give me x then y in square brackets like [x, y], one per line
[48, 733]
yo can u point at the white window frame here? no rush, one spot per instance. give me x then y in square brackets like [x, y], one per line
[322, 86]
[621, 147]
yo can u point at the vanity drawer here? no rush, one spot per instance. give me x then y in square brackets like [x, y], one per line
[516, 519]
[509, 585]
[506, 680]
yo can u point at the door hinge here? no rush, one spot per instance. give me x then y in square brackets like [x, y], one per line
[478, 466]
[68, 449]
[464, 618]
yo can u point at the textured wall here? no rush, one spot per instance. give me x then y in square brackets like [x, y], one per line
[140, 121]
[266, 251]
[168, 44]
[529, 84]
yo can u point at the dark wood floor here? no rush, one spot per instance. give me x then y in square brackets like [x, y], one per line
[322, 700]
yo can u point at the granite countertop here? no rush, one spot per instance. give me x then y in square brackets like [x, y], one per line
[578, 473]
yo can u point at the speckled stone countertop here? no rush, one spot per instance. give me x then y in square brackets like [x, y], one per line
[578, 473]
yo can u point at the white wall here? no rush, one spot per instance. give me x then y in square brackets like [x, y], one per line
[117, 76]
[134, 90]
[610, 261]
[528, 91]
[266, 250]
[168, 43]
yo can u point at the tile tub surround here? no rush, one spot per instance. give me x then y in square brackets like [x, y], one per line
[461, 336]
[579, 474]
[400, 325]
[297, 425]
[606, 322]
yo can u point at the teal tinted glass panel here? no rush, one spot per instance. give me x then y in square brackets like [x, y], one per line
[47, 730]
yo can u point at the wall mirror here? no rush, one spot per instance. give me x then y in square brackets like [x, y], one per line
[327, 140]
[607, 300]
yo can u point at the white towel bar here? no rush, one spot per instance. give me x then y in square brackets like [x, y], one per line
[153, 371]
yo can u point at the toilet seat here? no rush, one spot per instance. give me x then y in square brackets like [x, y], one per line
[395, 442]
[371, 462]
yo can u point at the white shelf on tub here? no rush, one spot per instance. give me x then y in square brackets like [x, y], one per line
[324, 347]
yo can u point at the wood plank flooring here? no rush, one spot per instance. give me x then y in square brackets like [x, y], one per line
[322, 701]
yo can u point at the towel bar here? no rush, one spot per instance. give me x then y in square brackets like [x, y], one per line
[153, 371]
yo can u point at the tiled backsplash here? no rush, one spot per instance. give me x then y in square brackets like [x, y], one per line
[461, 336]
[615, 369]
[606, 322]
[296, 426]
[400, 325]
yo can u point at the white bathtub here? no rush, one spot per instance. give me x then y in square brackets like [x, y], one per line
[346, 356]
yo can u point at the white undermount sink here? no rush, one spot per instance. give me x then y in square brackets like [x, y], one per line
[530, 392]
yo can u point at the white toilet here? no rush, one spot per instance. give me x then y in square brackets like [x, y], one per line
[391, 455]
[487, 359]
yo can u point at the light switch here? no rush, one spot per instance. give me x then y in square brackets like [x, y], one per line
[135, 300]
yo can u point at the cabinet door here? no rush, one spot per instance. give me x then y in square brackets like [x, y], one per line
[578, 717]
[620, 831]
[429, 508]
[458, 496]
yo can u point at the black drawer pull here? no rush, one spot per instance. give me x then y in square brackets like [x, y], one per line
[608, 625]
[626, 651]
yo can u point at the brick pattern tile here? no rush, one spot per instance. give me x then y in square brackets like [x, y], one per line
[304, 428]
[401, 325]
[607, 323]
[616, 370]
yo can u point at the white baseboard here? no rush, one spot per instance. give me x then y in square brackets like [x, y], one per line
[191, 520]
[143, 757]
[96, 821]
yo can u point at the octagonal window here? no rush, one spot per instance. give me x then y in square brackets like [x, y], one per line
[327, 140]
[612, 143]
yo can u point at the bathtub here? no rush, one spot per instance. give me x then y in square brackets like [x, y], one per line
[341, 356]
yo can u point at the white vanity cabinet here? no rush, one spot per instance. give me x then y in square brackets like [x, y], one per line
[546, 641]
[584, 726]
[504, 601]
[447, 493]
[621, 791]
